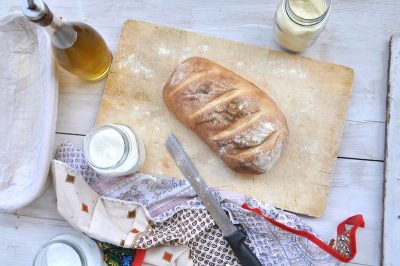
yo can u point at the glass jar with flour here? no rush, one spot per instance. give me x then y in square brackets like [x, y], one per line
[299, 22]
[113, 150]
[69, 249]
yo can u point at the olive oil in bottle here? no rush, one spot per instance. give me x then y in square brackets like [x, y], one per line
[76, 46]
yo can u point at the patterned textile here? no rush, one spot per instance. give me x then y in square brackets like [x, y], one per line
[142, 211]
[116, 256]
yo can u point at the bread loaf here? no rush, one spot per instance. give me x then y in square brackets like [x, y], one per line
[235, 118]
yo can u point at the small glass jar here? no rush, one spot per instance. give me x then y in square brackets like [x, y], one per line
[113, 150]
[69, 249]
[299, 22]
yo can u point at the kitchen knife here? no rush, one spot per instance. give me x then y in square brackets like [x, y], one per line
[236, 238]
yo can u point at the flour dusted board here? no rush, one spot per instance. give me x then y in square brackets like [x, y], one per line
[313, 95]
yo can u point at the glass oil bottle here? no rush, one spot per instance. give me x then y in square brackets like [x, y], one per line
[76, 46]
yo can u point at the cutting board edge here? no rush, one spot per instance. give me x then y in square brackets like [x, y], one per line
[344, 67]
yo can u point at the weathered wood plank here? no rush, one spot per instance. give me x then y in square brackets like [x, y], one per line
[356, 189]
[22, 236]
[77, 112]
[391, 226]
[363, 140]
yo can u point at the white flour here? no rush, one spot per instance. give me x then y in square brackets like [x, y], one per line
[254, 135]
[62, 255]
[267, 160]
[308, 9]
[106, 148]
[72, 249]
[134, 64]
[111, 154]
[204, 47]
[163, 50]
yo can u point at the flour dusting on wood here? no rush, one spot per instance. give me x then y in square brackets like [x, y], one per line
[135, 65]
[203, 47]
[291, 73]
[164, 51]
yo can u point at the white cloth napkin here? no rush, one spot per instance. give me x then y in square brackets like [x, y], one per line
[28, 104]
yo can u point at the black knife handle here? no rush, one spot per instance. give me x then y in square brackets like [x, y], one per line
[245, 256]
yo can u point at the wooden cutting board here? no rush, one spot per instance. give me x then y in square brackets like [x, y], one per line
[313, 95]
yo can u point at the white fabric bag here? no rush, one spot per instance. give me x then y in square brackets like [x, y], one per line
[28, 109]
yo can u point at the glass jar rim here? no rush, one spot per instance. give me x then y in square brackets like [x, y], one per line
[72, 245]
[305, 21]
[95, 130]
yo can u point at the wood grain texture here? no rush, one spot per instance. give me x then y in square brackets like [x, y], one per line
[313, 95]
[353, 191]
[22, 236]
[391, 216]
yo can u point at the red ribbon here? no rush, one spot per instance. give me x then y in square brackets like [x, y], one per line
[356, 221]
[139, 257]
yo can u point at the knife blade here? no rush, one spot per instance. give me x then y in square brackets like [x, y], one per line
[234, 236]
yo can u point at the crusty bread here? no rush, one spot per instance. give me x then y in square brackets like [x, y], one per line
[236, 119]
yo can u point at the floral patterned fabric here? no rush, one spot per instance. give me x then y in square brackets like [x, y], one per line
[116, 256]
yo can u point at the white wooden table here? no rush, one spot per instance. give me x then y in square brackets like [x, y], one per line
[357, 35]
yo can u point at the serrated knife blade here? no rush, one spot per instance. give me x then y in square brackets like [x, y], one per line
[236, 238]
[190, 172]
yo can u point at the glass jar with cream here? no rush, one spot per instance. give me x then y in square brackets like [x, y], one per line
[299, 22]
[113, 150]
[69, 249]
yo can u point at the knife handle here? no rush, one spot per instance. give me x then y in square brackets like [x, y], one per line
[244, 254]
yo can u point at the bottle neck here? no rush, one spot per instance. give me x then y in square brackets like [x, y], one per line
[55, 25]
[62, 35]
